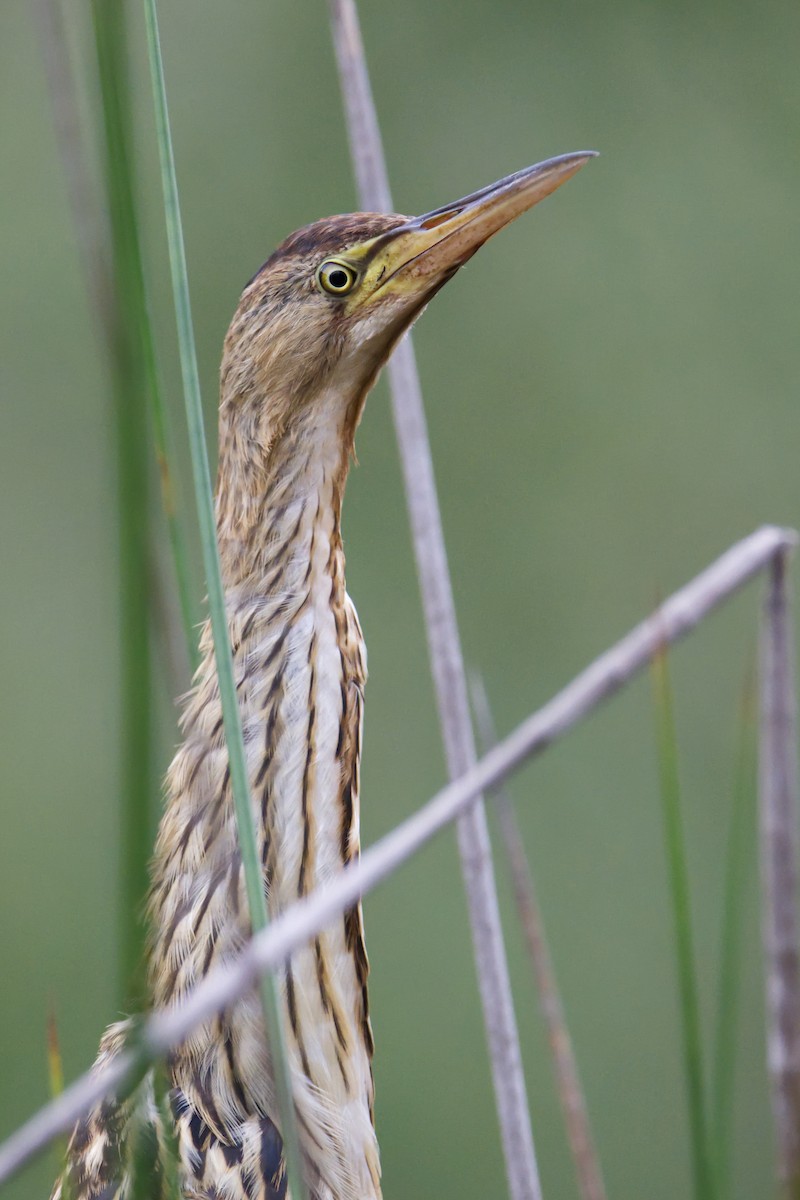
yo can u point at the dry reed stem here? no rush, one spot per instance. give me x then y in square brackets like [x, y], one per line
[444, 648]
[565, 1068]
[778, 803]
[602, 679]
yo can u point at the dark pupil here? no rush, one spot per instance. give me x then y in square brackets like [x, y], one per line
[338, 279]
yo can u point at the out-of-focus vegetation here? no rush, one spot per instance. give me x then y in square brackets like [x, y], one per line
[611, 390]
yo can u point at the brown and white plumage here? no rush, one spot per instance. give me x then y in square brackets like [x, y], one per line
[308, 338]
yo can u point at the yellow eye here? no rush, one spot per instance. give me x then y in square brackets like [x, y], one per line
[336, 278]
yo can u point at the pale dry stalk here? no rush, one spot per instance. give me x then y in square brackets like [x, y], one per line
[778, 804]
[444, 645]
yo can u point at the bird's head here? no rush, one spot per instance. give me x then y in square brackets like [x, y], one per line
[320, 318]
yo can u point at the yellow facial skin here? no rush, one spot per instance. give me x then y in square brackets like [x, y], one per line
[409, 261]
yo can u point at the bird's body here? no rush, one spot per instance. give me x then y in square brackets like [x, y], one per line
[310, 334]
[299, 662]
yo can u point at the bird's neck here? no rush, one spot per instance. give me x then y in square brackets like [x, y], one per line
[300, 671]
[279, 499]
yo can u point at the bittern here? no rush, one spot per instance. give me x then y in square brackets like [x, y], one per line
[311, 332]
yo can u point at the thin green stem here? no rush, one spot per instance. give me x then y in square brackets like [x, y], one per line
[55, 1075]
[142, 1154]
[132, 497]
[170, 1150]
[675, 846]
[216, 600]
[132, 298]
[742, 835]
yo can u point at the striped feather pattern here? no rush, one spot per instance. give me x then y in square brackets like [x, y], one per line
[292, 395]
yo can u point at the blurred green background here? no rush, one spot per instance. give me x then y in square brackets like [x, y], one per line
[611, 391]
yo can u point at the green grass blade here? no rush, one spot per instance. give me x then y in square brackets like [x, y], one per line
[131, 292]
[674, 843]
[169, 1150]
[55, 1079]
[216, 601]
[137, 766]
[142, 1154]
[742, 839]
[55, 1063]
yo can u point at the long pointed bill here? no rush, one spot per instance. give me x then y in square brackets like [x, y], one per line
[415, 258]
